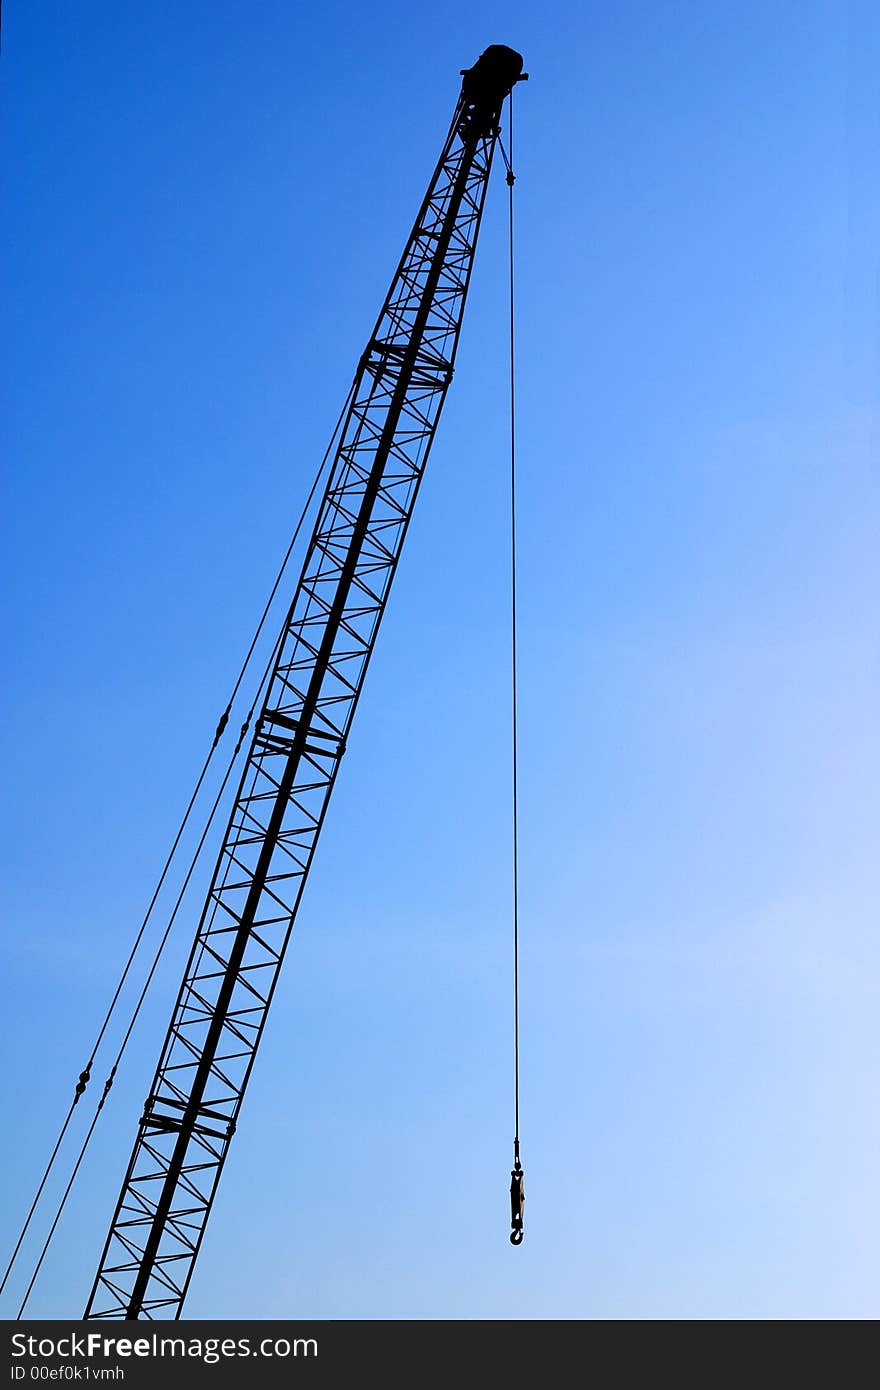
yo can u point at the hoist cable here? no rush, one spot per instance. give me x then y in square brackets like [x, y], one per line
[517, 1192]
[85, 1074]
[513, 626]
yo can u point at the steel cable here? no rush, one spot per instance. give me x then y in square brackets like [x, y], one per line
[517, 1191]
[85, 1074]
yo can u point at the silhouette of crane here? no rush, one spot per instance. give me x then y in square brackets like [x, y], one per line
[300, 736]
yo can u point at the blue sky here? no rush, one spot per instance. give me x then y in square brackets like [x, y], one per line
[203, 206]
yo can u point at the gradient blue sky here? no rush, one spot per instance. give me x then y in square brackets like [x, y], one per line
[202, 207]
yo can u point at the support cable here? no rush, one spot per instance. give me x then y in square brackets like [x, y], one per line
[153, 966]
[517, 1182]
[85, 1074]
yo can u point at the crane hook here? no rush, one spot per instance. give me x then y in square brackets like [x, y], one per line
[517, 1202]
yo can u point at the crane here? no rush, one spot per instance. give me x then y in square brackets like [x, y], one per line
[300, 736]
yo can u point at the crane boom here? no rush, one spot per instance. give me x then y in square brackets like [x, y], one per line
[299, 739]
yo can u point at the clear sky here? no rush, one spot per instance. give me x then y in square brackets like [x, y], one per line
[202, 207]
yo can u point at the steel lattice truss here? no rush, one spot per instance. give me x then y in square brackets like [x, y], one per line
[299, 739]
